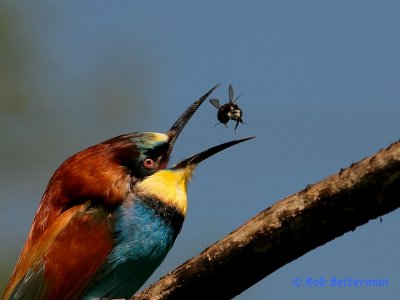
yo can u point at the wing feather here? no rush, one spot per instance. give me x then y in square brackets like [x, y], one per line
[64, 260]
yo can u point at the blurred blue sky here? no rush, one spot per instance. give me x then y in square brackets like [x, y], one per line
[319, 85]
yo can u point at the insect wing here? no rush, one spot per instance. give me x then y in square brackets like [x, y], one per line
[231, 93]
[215, 102]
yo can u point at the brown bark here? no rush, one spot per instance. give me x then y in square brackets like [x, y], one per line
[287, 230]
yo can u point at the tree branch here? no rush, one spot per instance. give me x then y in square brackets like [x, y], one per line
[287, 230]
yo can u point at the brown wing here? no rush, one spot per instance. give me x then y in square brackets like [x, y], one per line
[65, 258]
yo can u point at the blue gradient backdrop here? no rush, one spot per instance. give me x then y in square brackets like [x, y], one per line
[319, 84]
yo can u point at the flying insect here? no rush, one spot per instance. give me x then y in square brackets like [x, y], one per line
[228, 111]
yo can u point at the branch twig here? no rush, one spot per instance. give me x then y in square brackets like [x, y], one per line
[287, 230]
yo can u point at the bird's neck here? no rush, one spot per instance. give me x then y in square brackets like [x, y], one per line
[168, 186]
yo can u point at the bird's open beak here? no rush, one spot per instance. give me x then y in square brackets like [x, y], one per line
[199, 157]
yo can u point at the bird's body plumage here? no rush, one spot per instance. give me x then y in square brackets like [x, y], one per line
[107, 219]
[145, 231]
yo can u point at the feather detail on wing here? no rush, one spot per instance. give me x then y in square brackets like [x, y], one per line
[62, 262]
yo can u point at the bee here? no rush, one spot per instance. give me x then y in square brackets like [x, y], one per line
[228, 111]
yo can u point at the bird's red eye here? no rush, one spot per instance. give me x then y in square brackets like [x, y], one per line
[148, 163]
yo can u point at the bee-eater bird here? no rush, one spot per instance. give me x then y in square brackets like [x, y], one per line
[108, 217]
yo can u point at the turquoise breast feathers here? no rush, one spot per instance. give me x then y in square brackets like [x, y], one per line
[145, 231]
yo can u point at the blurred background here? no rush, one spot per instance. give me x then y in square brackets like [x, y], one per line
[319, 86]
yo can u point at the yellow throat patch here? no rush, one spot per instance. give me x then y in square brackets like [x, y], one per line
[169, 186]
